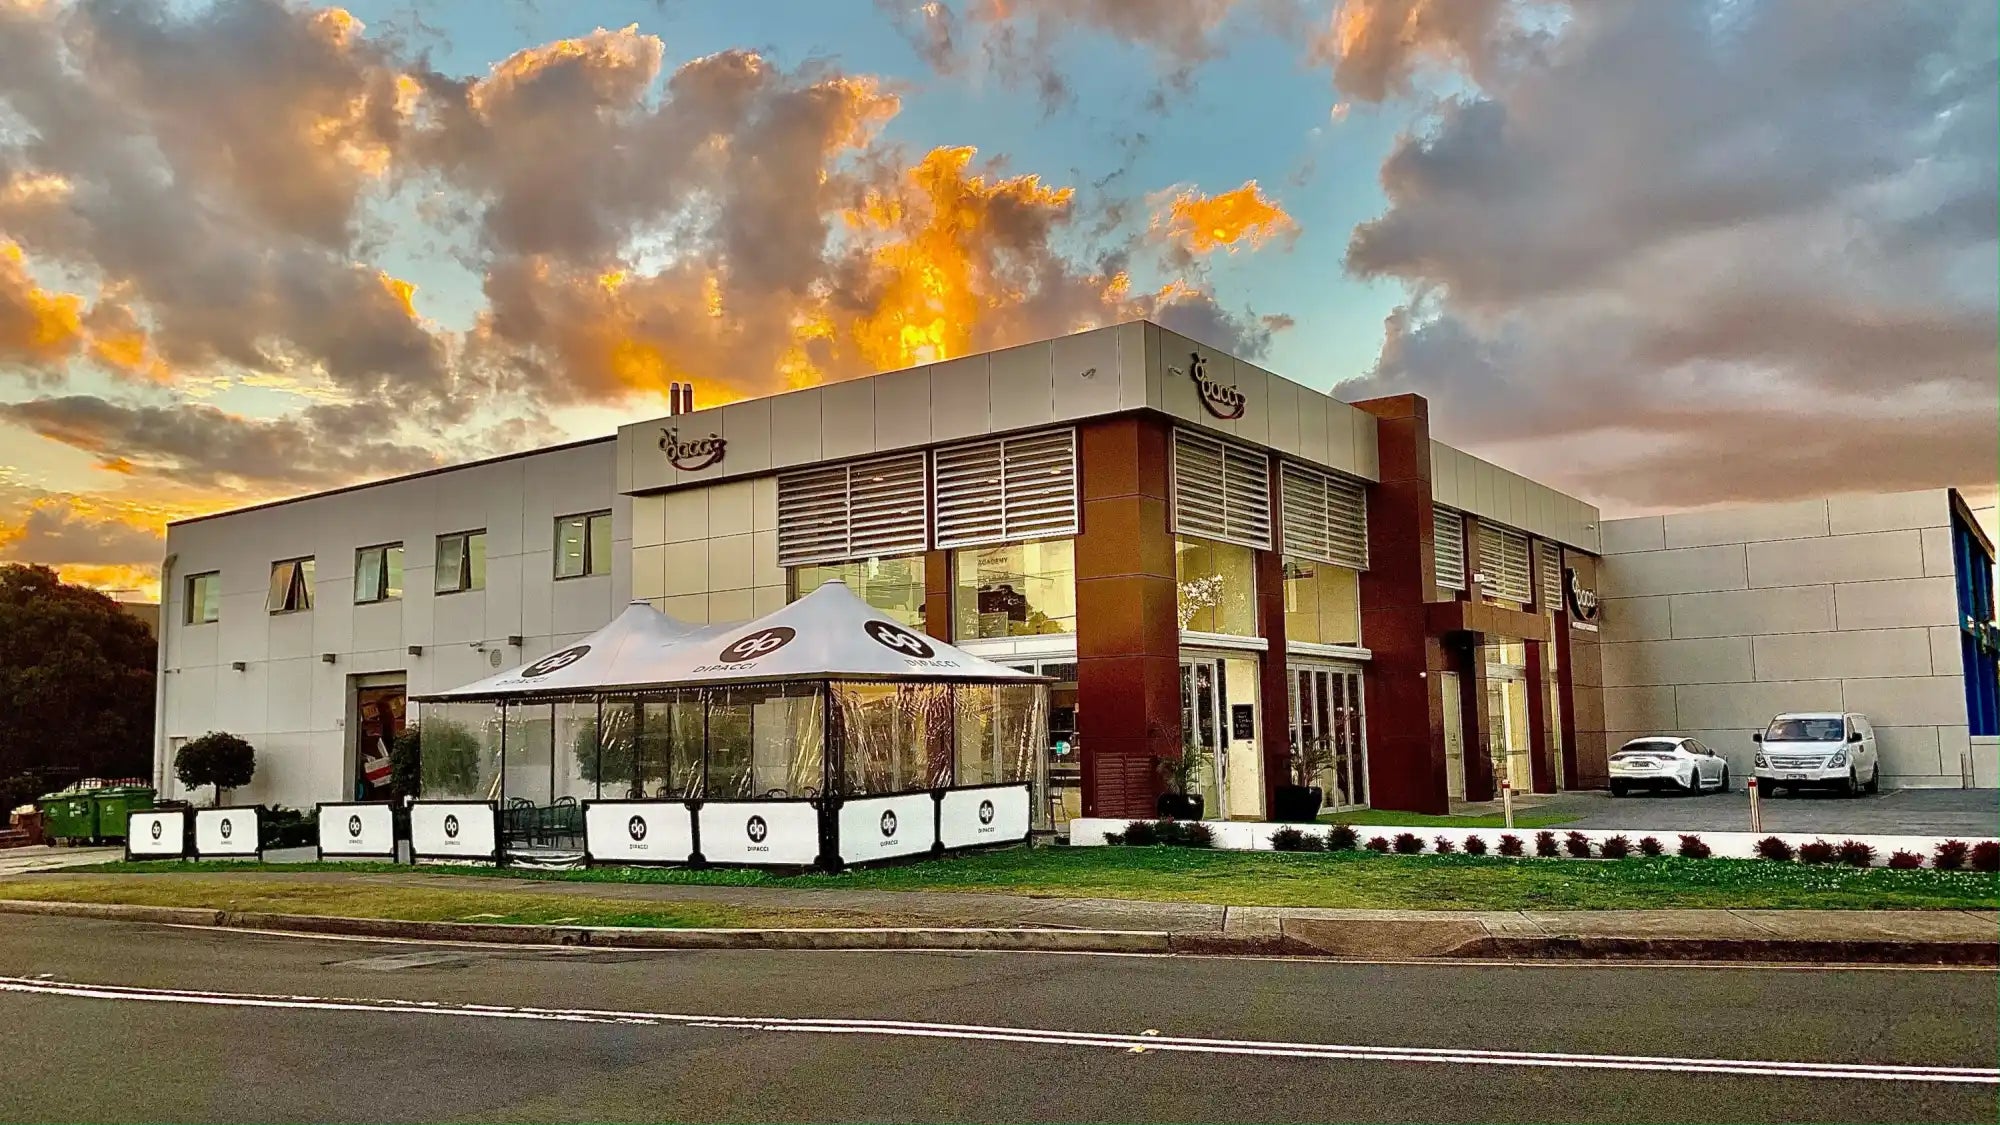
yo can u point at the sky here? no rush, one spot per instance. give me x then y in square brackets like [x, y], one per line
[1660, 255]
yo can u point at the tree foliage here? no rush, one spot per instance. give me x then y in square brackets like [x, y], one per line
[76, 680]
[449, 758]
[217, 758]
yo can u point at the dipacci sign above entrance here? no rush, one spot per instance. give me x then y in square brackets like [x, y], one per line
[1219, 399]
[689, 456]
[1582, 602]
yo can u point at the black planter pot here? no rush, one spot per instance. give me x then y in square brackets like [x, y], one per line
[1297, 804]
[1180, 806]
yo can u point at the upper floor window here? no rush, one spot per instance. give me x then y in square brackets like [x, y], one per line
[894, 586]
[583, 545]
[1218, 586]
[1015, 589]
[1322, 603]
[378, 573]
[461, 562]
[291, 586]
[204, 598]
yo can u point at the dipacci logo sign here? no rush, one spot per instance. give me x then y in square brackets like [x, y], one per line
[1219, 399]
[692, 456]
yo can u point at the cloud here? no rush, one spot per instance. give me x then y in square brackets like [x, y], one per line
[1718, 251]
[110, 544]
[38, 329]
[1202, 224]
[1377, 48]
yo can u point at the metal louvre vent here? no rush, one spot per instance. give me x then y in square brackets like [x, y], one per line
[1325, 517]
[1221, 490]
[1448, 528]
[1006, 490]
[1552, 584]
[1503, 560]
[859, 510]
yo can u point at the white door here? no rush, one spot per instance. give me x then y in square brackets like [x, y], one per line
[1202, 718]
[1454, 737]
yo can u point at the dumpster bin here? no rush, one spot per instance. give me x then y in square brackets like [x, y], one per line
[69, 818]
[115, 804]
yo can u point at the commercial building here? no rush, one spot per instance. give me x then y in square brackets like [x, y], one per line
[1198, 551]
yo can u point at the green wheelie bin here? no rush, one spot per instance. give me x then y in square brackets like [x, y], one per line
[69, 818]
[115, 804]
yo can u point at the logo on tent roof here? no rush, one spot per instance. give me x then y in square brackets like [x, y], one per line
[556, 661]
[763, 642]
[892, 636]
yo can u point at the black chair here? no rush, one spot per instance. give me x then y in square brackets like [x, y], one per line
[565, 819]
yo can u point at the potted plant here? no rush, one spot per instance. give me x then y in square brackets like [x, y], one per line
[1182, 776]
[1299, 801]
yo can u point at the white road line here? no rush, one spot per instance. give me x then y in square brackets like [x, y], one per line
[1027, 1035]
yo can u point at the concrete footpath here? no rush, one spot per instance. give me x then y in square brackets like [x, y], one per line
[868, 919]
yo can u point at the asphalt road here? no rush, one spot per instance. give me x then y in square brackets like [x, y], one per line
[113, 1021]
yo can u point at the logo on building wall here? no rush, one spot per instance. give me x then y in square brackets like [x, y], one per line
[1582, 602]
[1219, 399]
[690, 456]
[556, 661]
[900, 639]
[763, 642]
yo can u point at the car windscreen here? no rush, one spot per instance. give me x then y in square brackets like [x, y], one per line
[1806, 730]
[1654, 746]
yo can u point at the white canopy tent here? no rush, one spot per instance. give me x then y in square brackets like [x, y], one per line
[620, 654]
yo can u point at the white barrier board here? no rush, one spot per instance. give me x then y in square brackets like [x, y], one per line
[225, 833]
[156, 834]
[773, 832]
[637, 832]
[357, 831]
[970, 817]
[454, 830]
[886, 827]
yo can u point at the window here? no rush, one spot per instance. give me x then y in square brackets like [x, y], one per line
[1552, 583]
[1014, 590]
[1325, 517]
[583, 545]
[291, 586]
[1448, 528]
[378, 573]
[204, 597]
[1221, 490]
[461, 562]
[1503, 562]
[1322, 603]
[1805, 730]
[1217, 587]
[876, 508]
[1014, 488]
[894, 585]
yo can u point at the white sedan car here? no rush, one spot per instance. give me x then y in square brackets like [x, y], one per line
[1667, 762]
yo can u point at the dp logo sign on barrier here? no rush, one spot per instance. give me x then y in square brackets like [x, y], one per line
[359, 830]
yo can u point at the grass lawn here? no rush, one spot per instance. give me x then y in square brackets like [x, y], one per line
[1430, 820]
[1359, 880]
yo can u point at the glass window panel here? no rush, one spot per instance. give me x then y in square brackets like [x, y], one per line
[893, 585]
[450, 563]
[894, 738]
[1217, 587]
[368, 574]
[281, 585]
[1015, 589]
[528, 761]
[577, 766]
[204, 598]
[765, 741]
[600, 543]
[571, 533]
[1322, 603]
[459, 751]
[475, 561]
[392, 571]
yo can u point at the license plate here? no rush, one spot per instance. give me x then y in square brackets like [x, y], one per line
[1793, 776]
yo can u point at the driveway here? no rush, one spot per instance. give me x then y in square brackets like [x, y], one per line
[20, 861]
[1898, 812]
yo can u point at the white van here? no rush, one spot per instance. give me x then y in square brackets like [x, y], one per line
[1818, 749]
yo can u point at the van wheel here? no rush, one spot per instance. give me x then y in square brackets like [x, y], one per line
[1875, 780]
[1768, 788]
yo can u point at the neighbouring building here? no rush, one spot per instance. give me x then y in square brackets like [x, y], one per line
[1199, 552]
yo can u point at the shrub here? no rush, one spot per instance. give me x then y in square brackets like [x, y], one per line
[1545, 845]
[1290, 839]
[1377, 844]
[1475, 846]
[1577, 845]
[216, 758]
[1342, 838]
[1693, 848]
[1407, 843]
[1772, 848]
[1986, 856]
[1855, 853]
[1651, 848]
[1186, 834]
[1442, 845]
[1510, 844]
[1115, 839]
[1819, 851]
[1141, 834]
[1906, 861]
[1614, 847]
[1950, 855]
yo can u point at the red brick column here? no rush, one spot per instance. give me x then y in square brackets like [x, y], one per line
[1274, 696]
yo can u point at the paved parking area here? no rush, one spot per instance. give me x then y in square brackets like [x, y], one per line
[1911, 812]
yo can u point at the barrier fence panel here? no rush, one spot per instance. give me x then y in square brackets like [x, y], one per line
[156, 834]
[356, 830]
[985, 814]
[462, 830]
[774, 833]
[228, 833]
[875, 828]
[637, 832]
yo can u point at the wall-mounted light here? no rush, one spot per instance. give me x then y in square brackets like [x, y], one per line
[416, 650]
[326, 658]
[514, 641]
[238, 665]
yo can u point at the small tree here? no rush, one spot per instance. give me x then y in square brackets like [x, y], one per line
[449, 758]
[216, 758]
[406, 764]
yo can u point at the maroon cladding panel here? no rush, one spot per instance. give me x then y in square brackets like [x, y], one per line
[937, 594]
[1274, 695]
[1405, 704]
[1539, 771]
[1128, 640]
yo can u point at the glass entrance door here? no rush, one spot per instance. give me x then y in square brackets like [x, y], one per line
[1327, 713]
[1203, 705]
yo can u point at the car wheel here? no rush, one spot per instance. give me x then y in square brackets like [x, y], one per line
[1875, 780]
[1693, 786]
[1724, 787]
[1617, 789]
